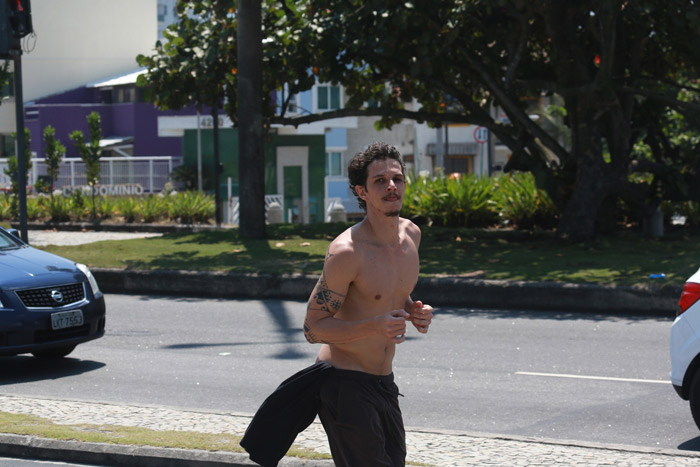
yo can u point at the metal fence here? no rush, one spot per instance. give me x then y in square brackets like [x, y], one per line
[232, 213]
[152, 173]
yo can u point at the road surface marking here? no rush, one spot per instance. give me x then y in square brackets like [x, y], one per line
[602, 378]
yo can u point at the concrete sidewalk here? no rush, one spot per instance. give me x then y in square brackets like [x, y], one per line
[425, 446]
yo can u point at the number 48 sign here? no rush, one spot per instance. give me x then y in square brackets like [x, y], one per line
[481, 134]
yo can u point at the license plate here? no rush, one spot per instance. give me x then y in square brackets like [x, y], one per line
[67, 319]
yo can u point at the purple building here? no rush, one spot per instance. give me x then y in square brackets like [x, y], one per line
[129, 123]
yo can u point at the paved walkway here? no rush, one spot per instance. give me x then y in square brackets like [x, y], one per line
[425, 446]
[52, 237]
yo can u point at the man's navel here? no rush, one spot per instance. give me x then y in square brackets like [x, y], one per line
[377, 297]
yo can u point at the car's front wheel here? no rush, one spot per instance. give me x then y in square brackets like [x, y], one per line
[57, 352]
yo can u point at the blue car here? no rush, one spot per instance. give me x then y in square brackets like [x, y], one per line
[48, 304]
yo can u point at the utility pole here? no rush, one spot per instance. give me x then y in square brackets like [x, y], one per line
[16, 23]
[19, 144]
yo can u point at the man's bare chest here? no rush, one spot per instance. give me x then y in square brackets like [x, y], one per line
[388, 273]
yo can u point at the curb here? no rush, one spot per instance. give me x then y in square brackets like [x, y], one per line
[30, 447]
[437, 291]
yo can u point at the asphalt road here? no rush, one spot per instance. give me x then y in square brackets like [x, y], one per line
[540, 374]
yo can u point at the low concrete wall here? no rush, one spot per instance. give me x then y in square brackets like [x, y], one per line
[441, 291]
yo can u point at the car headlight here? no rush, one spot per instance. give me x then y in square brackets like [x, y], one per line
[91, 279]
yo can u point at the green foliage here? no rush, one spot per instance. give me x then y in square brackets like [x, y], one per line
[186, 177]
[77, 204]
[186, 208]
[472, 201]
[59, 208]
[6, 207]
[12, 171]
[522, 204]
[451, 201]
[54, 152]
[35, 208]
[191, 207]
[152, 208]
[90, 152]
[107, 207]
[128, 208]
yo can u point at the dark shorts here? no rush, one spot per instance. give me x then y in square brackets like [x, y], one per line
[361, 415]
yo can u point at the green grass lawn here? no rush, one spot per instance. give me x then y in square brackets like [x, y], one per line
[626, 258]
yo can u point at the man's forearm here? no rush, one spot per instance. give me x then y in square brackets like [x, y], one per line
[331, 330]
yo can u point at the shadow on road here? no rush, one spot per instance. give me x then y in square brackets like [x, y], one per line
[289, 332]
[690, 445]
[21, 369]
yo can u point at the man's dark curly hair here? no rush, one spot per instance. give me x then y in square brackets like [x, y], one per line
[357, 169]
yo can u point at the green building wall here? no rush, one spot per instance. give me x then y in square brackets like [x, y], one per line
[228, 157]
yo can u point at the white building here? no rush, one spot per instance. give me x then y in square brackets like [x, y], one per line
[80, 41]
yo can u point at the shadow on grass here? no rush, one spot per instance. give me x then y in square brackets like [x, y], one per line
[255, 256]
[25, 369]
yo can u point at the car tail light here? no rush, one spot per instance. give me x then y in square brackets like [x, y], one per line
[690, 295]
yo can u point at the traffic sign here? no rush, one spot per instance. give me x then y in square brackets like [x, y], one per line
[481, 134]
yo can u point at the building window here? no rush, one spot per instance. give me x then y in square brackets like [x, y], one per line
[328, 97]
[334, 164]
[162, 12]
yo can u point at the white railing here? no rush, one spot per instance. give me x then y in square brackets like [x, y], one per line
[152, 173]
[233, 214]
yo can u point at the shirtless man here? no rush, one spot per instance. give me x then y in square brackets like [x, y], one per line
[358, 311]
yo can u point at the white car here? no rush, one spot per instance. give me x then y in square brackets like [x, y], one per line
[685, 346]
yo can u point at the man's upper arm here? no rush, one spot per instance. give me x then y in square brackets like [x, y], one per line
[329, 293]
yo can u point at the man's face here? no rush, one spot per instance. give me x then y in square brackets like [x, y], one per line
[385, 187]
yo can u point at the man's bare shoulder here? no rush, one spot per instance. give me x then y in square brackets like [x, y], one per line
[342, 249]
[411, 229]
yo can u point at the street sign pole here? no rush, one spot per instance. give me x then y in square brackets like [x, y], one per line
[19, 144]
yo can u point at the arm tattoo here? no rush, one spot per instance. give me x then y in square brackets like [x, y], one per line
[325, 299]
[322, 299]
[310, 335]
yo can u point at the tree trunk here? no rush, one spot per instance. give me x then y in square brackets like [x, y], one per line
[251, 163]
[591, 187]
[578, 220]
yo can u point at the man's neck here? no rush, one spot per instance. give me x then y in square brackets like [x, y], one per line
[385, 229]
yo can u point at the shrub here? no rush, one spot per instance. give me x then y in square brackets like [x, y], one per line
[522, 204]
[455, 201]
[5, 207]
[35, 208]
[78, 205]
[152, 208]
[107, 207]
[191, 206]
[58, 208]
[128, 208]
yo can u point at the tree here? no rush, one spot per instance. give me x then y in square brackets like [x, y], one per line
[198, 64]
[90, 152]
[12, 171]
[54, 152]
[615, 64]
[194, 66]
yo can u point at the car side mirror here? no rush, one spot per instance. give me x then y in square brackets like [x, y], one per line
[14, 232]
